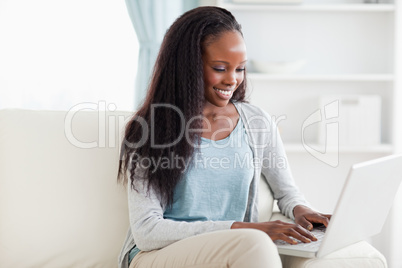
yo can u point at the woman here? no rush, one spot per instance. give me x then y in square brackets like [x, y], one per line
[194, 154]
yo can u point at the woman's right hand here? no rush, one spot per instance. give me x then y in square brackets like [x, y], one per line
[279, 230]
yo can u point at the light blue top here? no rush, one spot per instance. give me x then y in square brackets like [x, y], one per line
[216, 186]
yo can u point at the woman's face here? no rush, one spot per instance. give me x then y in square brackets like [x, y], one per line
[224, 61]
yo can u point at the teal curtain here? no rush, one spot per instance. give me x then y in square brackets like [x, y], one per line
[151, 19]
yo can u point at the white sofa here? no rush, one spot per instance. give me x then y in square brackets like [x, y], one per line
[60, 205]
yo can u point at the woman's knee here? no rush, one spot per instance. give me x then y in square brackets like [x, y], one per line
[255, 242]
[257, 248]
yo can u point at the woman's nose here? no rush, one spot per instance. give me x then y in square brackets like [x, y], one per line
[230, 78]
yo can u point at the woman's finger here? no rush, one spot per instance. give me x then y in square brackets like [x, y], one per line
[289, 232]
[305, 233]
[317, 218]
[299, 236]
[328, 216]
[286, 239]
[302, 221]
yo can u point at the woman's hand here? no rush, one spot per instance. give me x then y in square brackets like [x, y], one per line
[306, 217]
[278, 230]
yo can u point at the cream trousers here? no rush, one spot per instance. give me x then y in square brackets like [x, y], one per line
[239, 248]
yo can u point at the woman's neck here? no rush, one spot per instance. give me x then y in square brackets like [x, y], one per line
[212, 111]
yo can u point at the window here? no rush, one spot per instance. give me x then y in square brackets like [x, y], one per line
[57, 54]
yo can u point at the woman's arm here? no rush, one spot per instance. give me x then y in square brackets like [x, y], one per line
[291, 202]
[151, 231]
[277, 172]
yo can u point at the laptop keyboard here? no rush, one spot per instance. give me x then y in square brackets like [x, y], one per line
[318, 232]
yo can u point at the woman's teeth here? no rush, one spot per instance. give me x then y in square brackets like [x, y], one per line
[224, 92]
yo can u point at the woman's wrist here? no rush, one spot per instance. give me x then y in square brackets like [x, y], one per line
[299, 209]
[235, 225]
[238, 225]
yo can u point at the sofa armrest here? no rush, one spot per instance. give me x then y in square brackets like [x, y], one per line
[60, 203]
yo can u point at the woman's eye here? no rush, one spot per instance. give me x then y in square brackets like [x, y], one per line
[219, 69]
[224, 70]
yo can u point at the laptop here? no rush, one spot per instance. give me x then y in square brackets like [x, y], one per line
[361, 210]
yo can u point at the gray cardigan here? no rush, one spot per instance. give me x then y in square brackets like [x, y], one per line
[149, 230]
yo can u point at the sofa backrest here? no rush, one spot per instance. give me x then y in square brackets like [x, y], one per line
[60, 205]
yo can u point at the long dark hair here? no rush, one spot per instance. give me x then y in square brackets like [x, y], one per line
[177, 81]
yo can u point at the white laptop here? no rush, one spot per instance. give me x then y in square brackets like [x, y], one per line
[362, 208]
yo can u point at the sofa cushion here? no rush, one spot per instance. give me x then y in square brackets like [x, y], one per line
[60, 205]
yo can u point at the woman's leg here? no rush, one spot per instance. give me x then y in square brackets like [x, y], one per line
[238, 248]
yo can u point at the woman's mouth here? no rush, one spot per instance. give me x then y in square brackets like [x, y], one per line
[225, 94]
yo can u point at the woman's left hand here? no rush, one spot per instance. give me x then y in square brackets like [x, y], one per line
[306, 217]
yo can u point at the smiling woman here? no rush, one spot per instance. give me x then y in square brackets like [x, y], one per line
[204, 213]
[56, 54]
